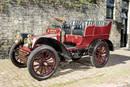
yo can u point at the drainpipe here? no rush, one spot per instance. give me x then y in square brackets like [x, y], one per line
[128, 28]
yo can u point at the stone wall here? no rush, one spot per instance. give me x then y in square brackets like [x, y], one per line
[31, 18]
[115, 35]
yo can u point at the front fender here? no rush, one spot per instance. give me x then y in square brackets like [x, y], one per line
[36, 39]
[57, 45]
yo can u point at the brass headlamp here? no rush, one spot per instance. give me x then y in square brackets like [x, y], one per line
[28, 41]
[18, 38]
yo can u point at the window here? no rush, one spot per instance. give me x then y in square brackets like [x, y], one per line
[124, 11]
[110, 6]
[109, 13]
[124, 5]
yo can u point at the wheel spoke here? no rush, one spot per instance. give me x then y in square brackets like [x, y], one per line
[37, 69]
[44, 70]
[36, 65]
[48, 67]
[43, 52]
[38, 56]
[41, 71]
[101, 54]
[47, 53]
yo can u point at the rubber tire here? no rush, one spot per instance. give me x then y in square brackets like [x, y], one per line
[12, 56]
[30, 59]
[92, 58]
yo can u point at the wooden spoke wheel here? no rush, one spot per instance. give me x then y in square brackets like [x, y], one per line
[14, 56]
[42, 62]
[100, 55]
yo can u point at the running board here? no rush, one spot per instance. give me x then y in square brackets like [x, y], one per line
[65, 56]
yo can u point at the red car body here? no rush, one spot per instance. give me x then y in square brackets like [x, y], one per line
[91, 33]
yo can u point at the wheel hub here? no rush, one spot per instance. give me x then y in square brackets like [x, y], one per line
[45, 64]
[103, 55]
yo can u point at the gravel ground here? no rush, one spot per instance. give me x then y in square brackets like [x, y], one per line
[73, 74]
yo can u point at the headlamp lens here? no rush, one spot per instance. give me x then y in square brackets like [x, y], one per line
[27, 42]
[18, 38]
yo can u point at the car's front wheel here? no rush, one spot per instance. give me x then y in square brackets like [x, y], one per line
[42, 62]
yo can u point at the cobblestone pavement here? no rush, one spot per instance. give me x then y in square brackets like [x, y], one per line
[73, 74]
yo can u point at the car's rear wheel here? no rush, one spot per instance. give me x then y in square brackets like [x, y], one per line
[14, 56]
[43, 62]
[100, 55]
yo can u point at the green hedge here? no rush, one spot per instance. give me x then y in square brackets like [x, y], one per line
[76, 4]
[87, 1]
[80, 1]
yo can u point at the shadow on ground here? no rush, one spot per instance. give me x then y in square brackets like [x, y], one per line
[68, 67]
[117, 59]
[84, 64]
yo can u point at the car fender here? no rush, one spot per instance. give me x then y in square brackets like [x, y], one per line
[53, 42]
[94, 42]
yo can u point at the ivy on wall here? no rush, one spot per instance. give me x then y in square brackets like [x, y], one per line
[1, 7]
[76, 4]
[87, 1]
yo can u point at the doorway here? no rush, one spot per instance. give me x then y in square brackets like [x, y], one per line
[124, 16]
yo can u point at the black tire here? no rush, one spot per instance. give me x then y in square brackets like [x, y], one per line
[35, 56]
[102, 58]
[13, 56]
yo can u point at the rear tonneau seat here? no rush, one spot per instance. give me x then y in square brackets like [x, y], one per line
[79, 27]
[102, 23]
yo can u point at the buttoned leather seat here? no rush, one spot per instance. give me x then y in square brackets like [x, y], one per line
[67, 27]
[102, 23]
[80, 29]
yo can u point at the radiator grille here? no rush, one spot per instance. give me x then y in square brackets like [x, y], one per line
[22, 56]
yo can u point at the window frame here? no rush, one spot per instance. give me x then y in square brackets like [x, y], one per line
[110, 6]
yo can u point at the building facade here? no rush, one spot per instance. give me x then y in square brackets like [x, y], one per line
[119, 12]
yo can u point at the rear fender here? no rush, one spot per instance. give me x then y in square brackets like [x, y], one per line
[93, 43]
[111, 47]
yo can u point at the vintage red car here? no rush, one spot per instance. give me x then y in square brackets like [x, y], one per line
[75, 39]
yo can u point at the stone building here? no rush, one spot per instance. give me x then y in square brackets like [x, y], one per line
[119, 12]
[31, 18]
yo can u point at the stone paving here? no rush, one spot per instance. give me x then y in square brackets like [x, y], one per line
[71, 74]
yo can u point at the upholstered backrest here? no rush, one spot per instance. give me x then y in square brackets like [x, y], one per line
[79, 27]
[102, 23]
[67, 27]
[87, 23]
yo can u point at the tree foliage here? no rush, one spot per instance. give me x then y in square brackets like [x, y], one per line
[77, 4]
[87, 1]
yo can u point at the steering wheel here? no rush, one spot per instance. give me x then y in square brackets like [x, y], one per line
[63, 34]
